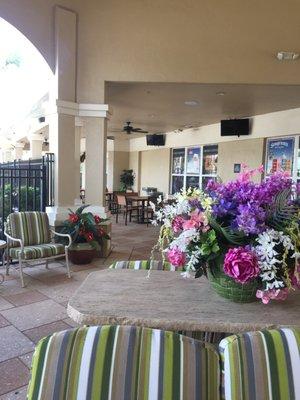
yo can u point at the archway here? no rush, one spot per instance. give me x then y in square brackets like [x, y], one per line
[25, 79]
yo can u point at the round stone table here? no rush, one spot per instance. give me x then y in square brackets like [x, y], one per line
[168, 301]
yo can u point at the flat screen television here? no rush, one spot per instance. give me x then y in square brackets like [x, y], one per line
[155, 140]
[235, 127]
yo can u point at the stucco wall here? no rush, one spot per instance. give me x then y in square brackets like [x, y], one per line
[155, 169]
[249, 152]
[121, 161]
[135, 165]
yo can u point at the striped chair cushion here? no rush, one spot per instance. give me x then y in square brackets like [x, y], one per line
[261, 365]
[144, 264]
[32, 227]
[38, 251]
[123, 362]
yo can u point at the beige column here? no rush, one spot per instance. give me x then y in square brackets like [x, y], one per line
[18, 151]
[63, 106]
[78, 128]
[36, 145]
[62, 144]
[96, 138]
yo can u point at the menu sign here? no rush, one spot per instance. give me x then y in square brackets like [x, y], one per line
[280, 155]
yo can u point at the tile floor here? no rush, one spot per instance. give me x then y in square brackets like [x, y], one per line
[28, 314]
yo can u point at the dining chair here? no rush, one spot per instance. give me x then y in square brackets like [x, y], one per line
[29, 239]
[123, 362]
[125, 206]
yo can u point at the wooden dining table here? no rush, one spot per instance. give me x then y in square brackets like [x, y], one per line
[142, 202]
[166, 300]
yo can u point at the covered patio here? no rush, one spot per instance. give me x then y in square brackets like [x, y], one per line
[174, 125]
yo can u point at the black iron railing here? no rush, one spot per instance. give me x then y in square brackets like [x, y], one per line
[26, 186]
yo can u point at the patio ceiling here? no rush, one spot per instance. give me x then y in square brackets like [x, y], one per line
[160, 107]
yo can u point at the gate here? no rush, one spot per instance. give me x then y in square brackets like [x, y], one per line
[26, 186]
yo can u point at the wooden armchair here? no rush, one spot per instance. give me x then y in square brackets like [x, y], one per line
[29, 239]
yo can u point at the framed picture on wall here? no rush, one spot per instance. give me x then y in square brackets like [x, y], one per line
[193, 160]
[210, 160]
[280, 155]
[178, 161]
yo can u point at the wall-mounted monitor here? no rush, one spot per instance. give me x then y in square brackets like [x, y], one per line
[155, 140]
[235, 127]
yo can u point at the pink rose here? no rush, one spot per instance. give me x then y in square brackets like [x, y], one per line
[176, 257]
[241, 264]
[272, 294]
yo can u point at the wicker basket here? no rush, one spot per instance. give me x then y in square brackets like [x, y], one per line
[227, 287]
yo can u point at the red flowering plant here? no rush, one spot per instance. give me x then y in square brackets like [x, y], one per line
[85, 227]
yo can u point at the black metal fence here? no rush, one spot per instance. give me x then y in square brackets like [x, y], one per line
[26, 186]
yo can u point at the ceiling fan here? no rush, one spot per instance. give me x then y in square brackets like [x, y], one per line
[129, 129]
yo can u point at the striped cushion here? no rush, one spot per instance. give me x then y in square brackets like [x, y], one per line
[144, 264]
[262, 365]
[123, 362]
[38, 251]
[32, 227]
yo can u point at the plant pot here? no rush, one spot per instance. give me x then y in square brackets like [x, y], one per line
[227, 287]
[81, 253]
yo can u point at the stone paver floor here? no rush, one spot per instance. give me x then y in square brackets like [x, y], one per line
[30, 313]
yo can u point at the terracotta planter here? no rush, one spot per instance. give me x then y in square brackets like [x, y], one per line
[81, 253]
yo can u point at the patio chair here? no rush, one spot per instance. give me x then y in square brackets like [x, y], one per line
[29, 239]
[263, 365]
[123, 362]
[125, 206]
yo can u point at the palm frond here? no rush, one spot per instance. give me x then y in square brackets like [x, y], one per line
[281, 211]
[234, 237]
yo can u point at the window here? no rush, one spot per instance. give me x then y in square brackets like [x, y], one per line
[193, 167]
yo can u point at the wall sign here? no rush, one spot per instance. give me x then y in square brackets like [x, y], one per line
[280, 155]
[237, 168]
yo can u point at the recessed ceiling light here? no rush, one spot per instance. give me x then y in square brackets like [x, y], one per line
[220, 93]
[191, 103]
[287, 56]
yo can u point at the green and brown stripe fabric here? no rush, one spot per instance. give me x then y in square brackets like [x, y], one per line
[144, 264]
[30, 226]
[39, 251]
[123, 363]
[261, 365]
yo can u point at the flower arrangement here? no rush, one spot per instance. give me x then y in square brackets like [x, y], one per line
[84, 227]
[248, 232]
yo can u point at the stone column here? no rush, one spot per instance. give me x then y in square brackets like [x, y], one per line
[36, 145]
[18, 151]
[78, 128]
[63, 110]
[96, 138]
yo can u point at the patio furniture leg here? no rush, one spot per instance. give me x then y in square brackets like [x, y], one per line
[67, 263]
[7, 264]
[21, 272]
[47, 264]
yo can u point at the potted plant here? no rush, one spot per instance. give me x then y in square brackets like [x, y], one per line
[243, 236]
[87, 235]
[127, 179]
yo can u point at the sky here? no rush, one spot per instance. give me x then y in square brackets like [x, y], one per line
[24, 75]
